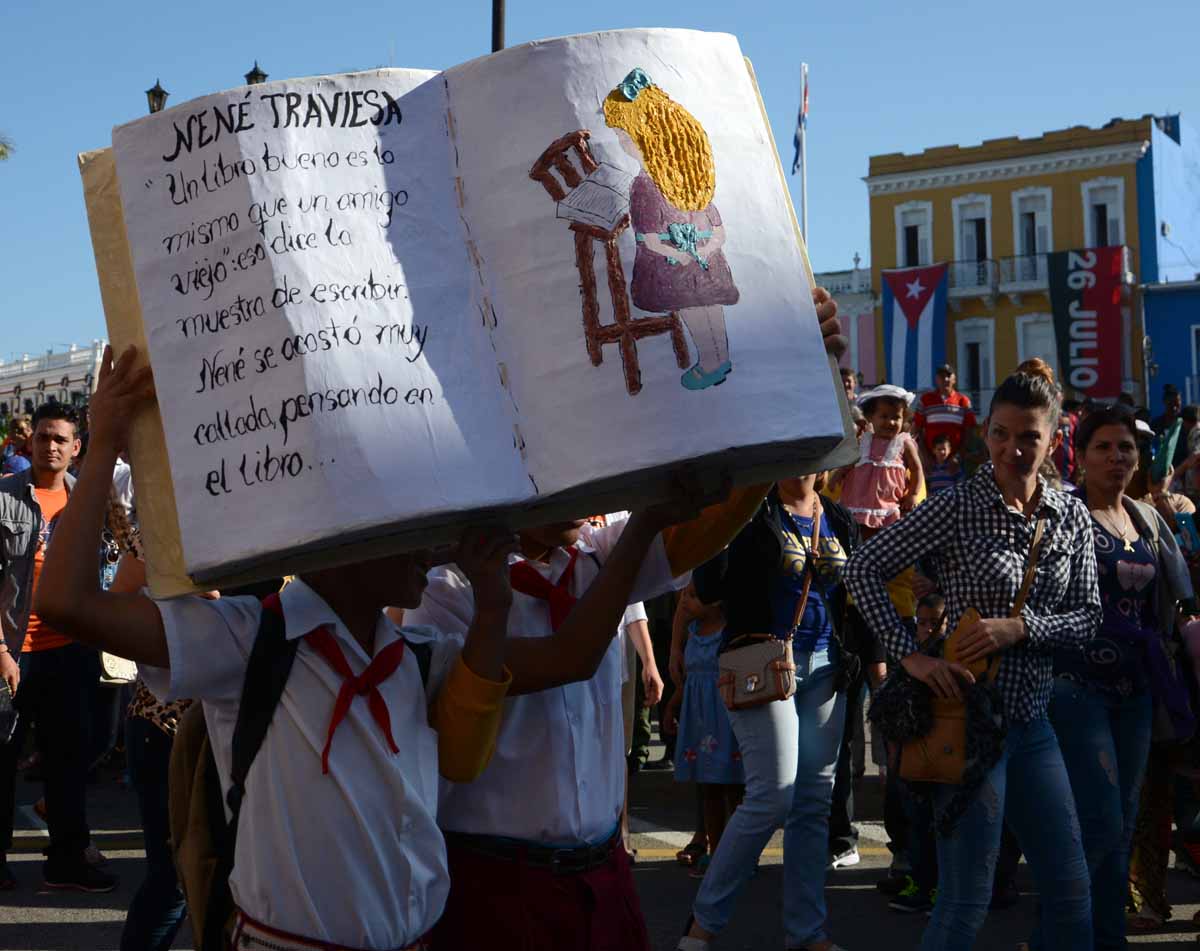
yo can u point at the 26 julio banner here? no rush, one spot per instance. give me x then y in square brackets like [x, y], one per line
[1085, 296]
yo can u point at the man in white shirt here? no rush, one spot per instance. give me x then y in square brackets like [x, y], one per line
[535, 855]
[536, 859]
[339, 847]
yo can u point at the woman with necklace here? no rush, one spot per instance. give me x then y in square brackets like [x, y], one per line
[980, 537]
[1104, 690]
[790, 747]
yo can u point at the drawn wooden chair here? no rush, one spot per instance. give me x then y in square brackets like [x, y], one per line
[561, 158]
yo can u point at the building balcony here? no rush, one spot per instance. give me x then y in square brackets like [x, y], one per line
[1030, 274]
[1024, 274]
[971, 279]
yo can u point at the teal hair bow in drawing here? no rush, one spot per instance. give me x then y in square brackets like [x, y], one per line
[634, 83]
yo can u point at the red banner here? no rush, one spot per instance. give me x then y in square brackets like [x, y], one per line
[1085, 295]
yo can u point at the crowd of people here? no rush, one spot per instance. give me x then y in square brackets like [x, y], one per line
[391, 755]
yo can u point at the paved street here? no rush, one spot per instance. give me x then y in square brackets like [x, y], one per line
[32, 919]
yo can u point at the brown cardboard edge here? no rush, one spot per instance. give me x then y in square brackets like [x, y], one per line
[153, 487]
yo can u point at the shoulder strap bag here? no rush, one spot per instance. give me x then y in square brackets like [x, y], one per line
[756, 669]
[940, 756]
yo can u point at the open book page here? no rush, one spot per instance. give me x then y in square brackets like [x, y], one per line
[661, 311]
[313, 315]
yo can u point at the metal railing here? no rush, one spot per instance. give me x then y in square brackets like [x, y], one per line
[1032, 270]
[972, 275]
[1024, 269]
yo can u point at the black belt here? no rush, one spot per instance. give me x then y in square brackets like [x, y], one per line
[572, 861]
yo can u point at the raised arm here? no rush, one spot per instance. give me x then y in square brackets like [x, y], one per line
[69, 597]
[466, 712]
[575, 650]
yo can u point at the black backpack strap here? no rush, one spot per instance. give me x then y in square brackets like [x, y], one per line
[267, 672]
[266, 677]
[423, 652]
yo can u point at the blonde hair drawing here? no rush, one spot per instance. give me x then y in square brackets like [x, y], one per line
[675, 148]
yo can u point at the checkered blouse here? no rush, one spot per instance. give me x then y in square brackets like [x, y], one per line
[979, 547]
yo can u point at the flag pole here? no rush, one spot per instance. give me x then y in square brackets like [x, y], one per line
[804, 152]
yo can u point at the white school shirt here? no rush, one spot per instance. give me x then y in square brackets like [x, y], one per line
[354, 857]
[634, 613]
[557, 776]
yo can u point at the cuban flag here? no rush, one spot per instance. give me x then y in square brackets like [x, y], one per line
[914, 325]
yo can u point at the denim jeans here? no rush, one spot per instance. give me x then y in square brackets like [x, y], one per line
[1029, 788]
[1105, 742]
[158, 908]
[843, 833]
[789, 750]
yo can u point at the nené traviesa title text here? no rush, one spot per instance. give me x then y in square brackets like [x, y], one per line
[235, 265]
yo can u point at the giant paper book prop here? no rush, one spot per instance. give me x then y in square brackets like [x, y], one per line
[382, 304]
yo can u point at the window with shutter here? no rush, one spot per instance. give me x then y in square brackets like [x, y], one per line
[914, 234]
[1105, 215]
[912, 246]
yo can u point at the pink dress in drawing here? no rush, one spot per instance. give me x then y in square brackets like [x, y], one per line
[873, 488]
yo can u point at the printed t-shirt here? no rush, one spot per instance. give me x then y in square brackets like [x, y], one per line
[816, 626]
[1114, 661]
[38, 636]
[949, 416]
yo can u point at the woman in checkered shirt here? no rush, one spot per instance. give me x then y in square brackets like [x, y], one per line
[978, 536]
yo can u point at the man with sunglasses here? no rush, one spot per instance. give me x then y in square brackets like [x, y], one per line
[53, 679]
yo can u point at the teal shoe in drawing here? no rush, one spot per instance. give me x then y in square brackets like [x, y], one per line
[697, 379]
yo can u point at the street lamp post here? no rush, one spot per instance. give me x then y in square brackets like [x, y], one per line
[497, 25]
[256, 75]
[156, 97]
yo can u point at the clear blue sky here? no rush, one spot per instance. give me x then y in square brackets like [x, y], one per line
[886, 76]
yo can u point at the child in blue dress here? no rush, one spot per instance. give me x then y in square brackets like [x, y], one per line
[706, 751]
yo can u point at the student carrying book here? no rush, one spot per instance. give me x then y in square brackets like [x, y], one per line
[535, 857]
[339, 848]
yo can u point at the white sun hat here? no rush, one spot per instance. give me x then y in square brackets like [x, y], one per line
[888, 391]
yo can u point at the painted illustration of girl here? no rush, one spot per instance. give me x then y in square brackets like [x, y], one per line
[679, 265]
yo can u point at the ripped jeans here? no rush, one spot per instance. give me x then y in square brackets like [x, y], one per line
[1028, 787]
[1105, 742]
[789, 749]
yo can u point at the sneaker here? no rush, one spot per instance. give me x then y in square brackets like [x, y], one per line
[912, 899]
[844, 859]
[1186, 862]
[94, 857]
[77, 876]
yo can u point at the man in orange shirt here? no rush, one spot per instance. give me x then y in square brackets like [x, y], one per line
[53, 681]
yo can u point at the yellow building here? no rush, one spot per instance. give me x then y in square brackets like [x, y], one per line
[992, 212]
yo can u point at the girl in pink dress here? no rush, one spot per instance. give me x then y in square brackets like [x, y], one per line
[888, 479]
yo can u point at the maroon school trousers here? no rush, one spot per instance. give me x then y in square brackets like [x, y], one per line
[510, 906]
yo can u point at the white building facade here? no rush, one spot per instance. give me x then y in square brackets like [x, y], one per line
[856, 309]
[64, 376]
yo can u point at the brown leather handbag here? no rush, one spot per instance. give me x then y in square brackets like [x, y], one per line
[759, 668]
[940, 756]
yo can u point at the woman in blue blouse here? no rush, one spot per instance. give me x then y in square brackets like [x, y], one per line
[1102, 706]
[979, 537]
